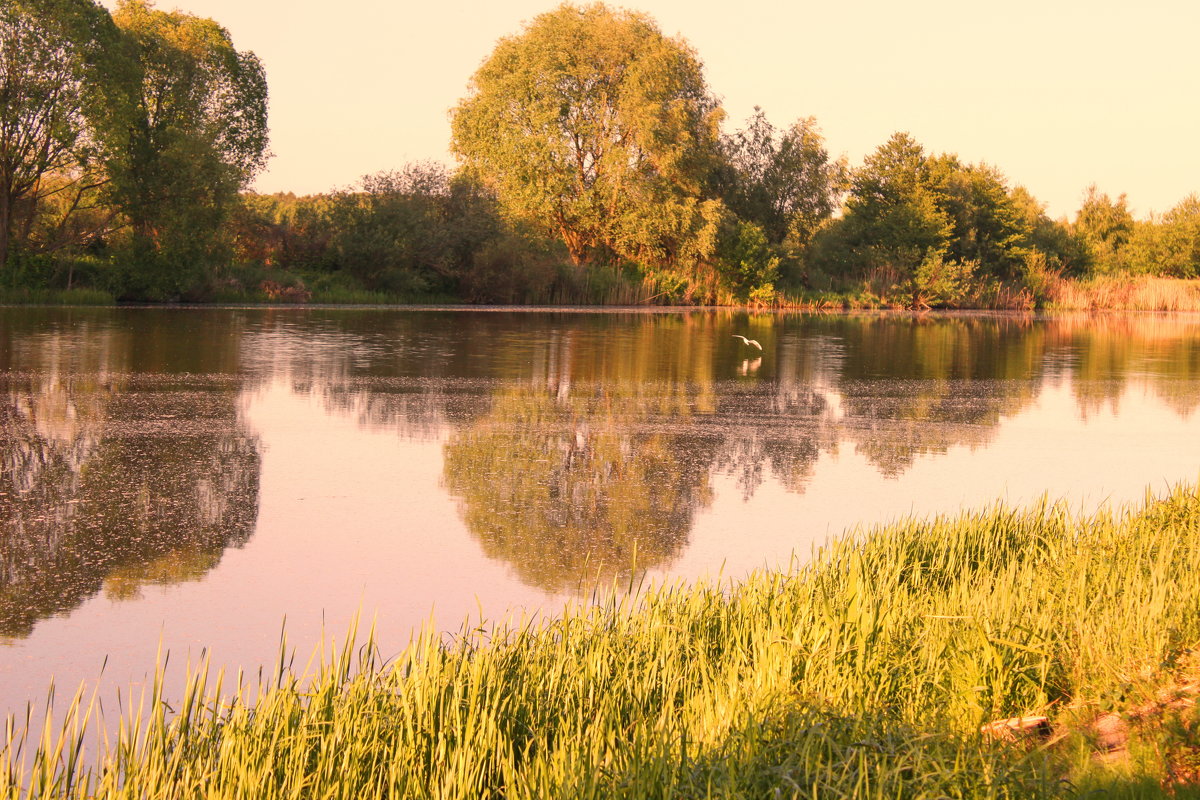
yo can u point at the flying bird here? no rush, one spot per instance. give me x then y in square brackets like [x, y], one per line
[747, 341]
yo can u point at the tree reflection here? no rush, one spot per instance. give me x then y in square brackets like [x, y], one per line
[915, 387]
[576, 444]
[102, 487]
[576, 488]
[1103, 353]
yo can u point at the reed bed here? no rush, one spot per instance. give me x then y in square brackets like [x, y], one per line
[865, 672]
[1125, 293]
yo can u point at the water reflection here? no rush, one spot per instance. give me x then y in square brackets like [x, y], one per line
[112, 481]
[580, 485]
[574, 445]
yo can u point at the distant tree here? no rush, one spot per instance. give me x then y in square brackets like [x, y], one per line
[927, 229]
[989, 227]
[1105, 225]
[782, 181]
[1062, 249]
[55, 62]
[198, 134]
[1181, 235]
[597, 128]
[1165, 245]
[412, 230]
[749, 265]
[896, 234]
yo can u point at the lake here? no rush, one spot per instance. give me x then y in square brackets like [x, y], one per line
[190, 479]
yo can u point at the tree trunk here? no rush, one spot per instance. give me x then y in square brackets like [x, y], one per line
[574, 243]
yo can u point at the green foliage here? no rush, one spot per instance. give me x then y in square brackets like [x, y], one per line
[894, 234]
[197, 135]
[282, 230]
[56, 57]
[921, 231]
[988, 225]
[1181, 239]
[411, 231]
[1105, 226]
[56, 297]
[595, 128]
[893, 219]
[1167, 246]
[935, 282]
[1062, 248]
[746, 261]
[1040, 277]
[782, 181]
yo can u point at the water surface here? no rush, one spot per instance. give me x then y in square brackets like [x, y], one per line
[189, 478]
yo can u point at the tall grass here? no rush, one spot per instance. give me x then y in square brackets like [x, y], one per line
[1125, 293]
[866, 672]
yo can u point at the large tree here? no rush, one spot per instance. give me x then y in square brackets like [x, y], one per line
[894, 210]
[198, 135]
[56, 58]
[989, 227]
[597, 127]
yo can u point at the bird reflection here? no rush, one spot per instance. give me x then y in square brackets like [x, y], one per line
[749, 366]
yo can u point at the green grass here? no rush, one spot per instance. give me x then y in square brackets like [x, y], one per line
[866, 673]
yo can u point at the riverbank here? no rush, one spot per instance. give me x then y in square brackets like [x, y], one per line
[1100, 293]
[867, 673]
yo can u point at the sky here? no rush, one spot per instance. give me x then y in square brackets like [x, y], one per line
[1057, 94]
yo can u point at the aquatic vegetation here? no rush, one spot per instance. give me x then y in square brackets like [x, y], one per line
[865, 672]
[1126, 292]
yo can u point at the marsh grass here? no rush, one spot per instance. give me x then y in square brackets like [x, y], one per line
[1124, 293]
[865, 672]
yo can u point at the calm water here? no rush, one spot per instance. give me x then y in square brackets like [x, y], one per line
[191, 478]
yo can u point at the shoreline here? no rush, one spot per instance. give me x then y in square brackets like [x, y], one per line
[1111, 293]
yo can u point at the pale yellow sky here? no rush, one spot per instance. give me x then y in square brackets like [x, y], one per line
[1056, 93]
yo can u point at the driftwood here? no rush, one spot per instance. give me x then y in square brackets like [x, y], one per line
[1017, 728]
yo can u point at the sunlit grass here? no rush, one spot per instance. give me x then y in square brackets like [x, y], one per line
[1126, 293]
[866, 672]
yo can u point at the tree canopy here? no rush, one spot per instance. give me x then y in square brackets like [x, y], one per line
[197, 134]
[601, 130]
[52, 54]
[783, 181]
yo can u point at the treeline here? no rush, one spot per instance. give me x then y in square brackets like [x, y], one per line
[594, 166]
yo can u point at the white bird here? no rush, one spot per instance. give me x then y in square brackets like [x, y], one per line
[747, 341]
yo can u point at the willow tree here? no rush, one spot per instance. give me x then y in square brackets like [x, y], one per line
[599, 129]
[197, 136]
